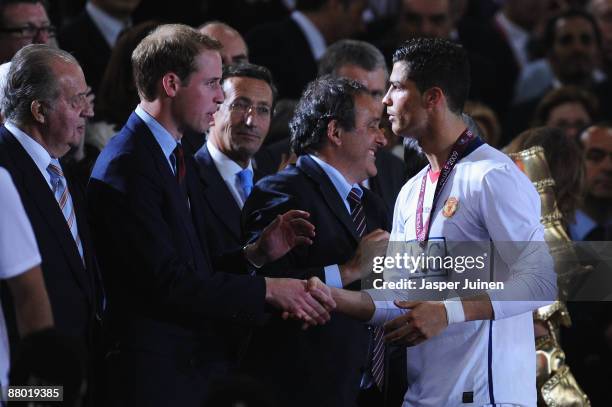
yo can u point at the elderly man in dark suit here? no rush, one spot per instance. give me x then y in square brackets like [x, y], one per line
[165, 300]
[46, 109]
[336, 136]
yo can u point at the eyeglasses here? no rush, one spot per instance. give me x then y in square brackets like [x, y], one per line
[30, 31]
[242, 107]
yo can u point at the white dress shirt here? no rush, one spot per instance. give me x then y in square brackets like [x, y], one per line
[517, 38]
[109, 26]
[313, 36]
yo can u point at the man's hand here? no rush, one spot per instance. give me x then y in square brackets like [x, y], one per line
[425, 320]
[360, 265]
[287, 231]
[296, 301]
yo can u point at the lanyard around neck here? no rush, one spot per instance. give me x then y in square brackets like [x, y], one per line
[465, 144]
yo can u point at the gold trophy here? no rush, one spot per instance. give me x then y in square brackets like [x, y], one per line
[557, 387]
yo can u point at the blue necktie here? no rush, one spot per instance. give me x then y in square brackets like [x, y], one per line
[245, 177]
[64, 200]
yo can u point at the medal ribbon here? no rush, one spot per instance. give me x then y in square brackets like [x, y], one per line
[465, 144]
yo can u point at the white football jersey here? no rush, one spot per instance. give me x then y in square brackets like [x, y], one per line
[478, 362]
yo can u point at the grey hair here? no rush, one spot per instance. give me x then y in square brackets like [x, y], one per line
[351, 52]
[31, 78]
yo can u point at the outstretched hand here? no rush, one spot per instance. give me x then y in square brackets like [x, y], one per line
[287, 231]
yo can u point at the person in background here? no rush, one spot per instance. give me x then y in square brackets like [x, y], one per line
[292, 47]
[234, 49]
[568, 108]
[594, 217]
[487, 122]
[92, 35]
[23, 22]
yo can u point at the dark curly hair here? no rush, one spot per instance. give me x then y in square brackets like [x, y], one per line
[325, 99]
[434, 62]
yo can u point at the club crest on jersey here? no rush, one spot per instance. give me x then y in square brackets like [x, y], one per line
[450, 207]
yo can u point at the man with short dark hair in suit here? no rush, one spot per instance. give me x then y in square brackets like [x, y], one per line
[45, 108]
[292, 47]
[224, 163]
[336, 136]
[165, 299]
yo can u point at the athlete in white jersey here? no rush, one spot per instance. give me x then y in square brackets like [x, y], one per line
[479, 351]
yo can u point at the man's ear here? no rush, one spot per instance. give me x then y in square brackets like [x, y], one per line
[38, 111]
[170, 83]
[333, 132]
[432, 97]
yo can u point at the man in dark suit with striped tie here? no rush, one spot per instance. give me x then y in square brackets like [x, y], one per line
[46, 108]
[336, 136]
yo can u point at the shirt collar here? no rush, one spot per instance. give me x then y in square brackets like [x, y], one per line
[582, 225]
[516, 35]
[227, 167]
[340, 183]
[109, 26]
[161, 135]
[39, 155]
[311, 32]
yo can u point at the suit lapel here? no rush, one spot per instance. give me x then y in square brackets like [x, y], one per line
[217, 194]
[329, 192]
[168, 179]
[37, 188]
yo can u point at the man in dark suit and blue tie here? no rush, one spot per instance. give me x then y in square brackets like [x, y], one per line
[336, 136]
[46, 108]
[165, 300]
[225, 162]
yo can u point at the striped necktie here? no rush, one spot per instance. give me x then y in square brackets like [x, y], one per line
[62, 195]
[378, 351]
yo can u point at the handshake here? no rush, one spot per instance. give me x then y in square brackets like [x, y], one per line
[309, 301]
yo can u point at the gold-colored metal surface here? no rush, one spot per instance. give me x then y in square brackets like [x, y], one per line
[557, 387]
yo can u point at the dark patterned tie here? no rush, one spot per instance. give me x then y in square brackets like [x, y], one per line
[178, 158]
[378, 351]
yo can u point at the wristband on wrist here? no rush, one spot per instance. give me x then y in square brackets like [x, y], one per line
[454, 310]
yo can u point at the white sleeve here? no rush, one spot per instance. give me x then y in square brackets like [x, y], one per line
[511, 213]
[18, 248]
[385, 309]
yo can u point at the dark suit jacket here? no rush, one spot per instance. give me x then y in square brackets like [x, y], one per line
[387, 183]
[164, 299]
[283, 49]
[322, 366]
[82, 39]
[223, 213]
[74, 289]
[223, 225]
